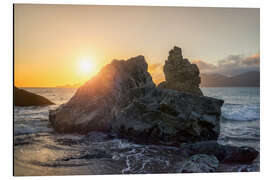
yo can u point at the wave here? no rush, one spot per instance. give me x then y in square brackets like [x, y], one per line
[237, 119]
[240, 112]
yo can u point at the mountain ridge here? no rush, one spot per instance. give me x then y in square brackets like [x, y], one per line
[247, 79]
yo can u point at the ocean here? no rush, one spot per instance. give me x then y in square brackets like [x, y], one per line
[38, 150]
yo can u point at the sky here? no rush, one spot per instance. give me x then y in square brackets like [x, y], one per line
[56, 45]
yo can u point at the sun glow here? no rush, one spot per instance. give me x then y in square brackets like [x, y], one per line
[86, 66]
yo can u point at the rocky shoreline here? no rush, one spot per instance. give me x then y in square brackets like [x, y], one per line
[26, 98]
[123, 99]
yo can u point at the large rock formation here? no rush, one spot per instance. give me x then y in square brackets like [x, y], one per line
[25, 98]
[180, 74]
[123, 98]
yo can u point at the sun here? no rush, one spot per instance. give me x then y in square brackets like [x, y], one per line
[86, 66]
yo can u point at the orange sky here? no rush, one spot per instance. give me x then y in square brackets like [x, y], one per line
[52, 40]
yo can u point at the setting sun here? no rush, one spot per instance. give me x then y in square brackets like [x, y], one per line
[86, 66]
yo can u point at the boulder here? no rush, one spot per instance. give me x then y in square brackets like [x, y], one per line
[224, 153]
[180, 74]
[25, 98]
[200, 163]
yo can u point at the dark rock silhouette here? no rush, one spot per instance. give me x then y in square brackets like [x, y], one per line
[180, 74]
[25, 98]
[123, 98]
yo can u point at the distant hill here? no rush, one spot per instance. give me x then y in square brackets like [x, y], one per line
[251, 78]
[69, 86]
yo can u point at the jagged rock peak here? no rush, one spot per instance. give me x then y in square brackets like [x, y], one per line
[180, 74]
[175, 53]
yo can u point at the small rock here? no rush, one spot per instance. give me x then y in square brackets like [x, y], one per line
[224, 153]
[200, 163]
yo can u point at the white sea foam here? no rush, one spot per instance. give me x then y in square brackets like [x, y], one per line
[240, 112]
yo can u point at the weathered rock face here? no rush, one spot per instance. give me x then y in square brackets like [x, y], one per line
[200, 163]
[25, 98]
[167, 117]
[180, 74]
[96, 102]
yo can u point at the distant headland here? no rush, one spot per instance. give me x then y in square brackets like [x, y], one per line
[248, 79]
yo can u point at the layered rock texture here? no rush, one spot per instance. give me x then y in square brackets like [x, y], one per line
[166, 116]
[25, 98]
[180, 74]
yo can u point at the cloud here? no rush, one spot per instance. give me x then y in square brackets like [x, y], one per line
[252, 60]
[231, 65]
[230, 62]
[202, 65]
[240, 61]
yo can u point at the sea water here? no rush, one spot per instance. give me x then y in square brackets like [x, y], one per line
[38, 150]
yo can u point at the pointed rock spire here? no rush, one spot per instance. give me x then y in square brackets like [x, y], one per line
[180, 74]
